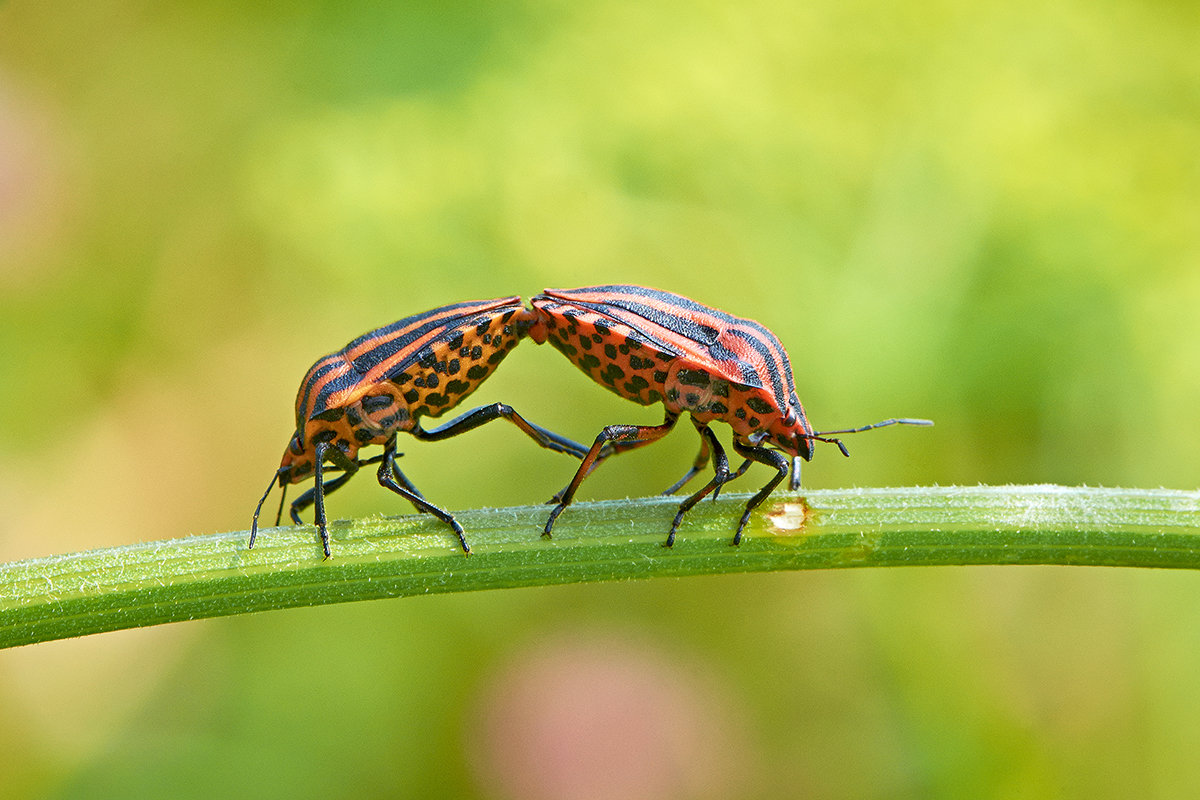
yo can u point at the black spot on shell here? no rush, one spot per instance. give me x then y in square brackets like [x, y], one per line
[610, 351]
[756, 403]
[477, 372]
[457, 387]
[412, 396]
[612, 373]
[456, 342]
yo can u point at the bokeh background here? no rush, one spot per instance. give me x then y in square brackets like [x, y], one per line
[986, 213]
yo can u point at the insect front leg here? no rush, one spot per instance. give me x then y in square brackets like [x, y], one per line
[321, 488]
[630, 435]
[310, 496]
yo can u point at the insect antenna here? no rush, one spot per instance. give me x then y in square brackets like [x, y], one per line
[822, 436]
[277, 477]
[282, 498]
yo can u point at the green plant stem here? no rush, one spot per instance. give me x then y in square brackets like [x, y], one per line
[209, 576]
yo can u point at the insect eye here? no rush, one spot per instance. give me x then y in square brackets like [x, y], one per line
[296, 446]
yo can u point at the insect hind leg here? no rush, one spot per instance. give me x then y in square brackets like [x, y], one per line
[620, 437]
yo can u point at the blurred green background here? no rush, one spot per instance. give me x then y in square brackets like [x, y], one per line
[985, 213]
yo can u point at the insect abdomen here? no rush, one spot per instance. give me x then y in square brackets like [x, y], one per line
[611, 353]
[444, 372]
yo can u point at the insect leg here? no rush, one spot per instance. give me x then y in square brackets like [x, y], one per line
[321, 488]
[485, 414]
[310, 496]
[400, 477]
[720, 476]
[614, 448]
[387, 479]
[630, 435]
[763, 456]
[699, 463]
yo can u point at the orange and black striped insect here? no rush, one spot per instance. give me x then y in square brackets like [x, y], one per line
[651, 346]
[383, 383]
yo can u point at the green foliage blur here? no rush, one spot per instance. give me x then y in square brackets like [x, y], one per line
[983, 213]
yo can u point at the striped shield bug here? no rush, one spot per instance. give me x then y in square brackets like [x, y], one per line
[382, 384]
[651, 346]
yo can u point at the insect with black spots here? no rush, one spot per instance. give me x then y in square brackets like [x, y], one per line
[382, 384]
[651, 346]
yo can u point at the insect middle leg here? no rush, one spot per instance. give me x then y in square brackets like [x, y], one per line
[309, 497]
[721, 476]
[771, 458]
[387, 479]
